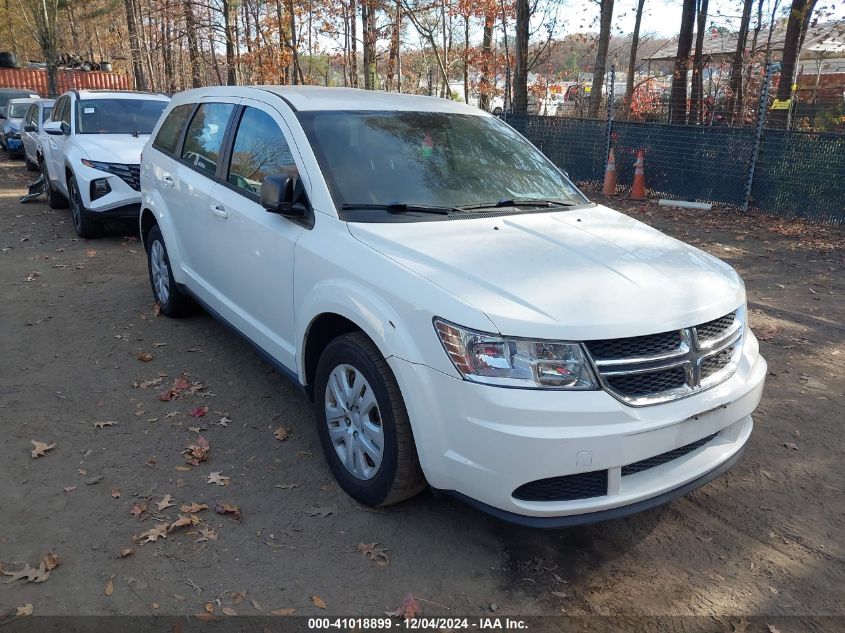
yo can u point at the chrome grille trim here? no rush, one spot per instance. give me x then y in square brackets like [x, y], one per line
[724, 334]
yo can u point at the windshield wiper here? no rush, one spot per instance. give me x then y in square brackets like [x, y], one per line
[401, 207]
[520, 202]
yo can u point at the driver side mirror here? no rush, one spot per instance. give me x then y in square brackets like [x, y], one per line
[29, 127]
[54, 128]
[284, 194]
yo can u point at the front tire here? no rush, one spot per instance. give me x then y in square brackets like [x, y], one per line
[83, 224]
[171, 300]
[55, 200]
[363, 424]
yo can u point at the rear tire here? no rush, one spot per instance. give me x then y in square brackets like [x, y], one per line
[378, 415]
[83, 224]
[171, 300]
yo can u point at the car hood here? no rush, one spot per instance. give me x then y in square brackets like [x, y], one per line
[12, 125]
[112, 148]
[580, 274]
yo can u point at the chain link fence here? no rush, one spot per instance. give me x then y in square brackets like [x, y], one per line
[796, 174]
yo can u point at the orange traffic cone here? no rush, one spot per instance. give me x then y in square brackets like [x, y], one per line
[638, 189]
[609, 187]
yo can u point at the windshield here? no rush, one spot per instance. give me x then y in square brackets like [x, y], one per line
[118, 116]
[18, 110]
[430, 158]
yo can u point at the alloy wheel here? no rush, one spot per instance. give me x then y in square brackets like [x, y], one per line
[354, 421]
[161, 272]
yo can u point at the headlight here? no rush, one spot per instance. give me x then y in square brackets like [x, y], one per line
[515, 362]
[93, 164]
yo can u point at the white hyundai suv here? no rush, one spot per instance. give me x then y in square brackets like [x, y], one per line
[91, 154]
[457, 310]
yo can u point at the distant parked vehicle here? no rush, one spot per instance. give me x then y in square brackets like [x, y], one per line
[10, 131]
[92, 154]
[14, 93]
[35, 117]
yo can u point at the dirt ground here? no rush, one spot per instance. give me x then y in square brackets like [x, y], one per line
[766, 539]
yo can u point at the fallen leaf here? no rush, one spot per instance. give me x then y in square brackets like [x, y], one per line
[773, 628]
[155, 605]
[91, 252]
[318, 602]
[124, 553]
[70, 488]
[99, 425]
[193, 508]
[255, 604]
[281, 434]
[376, 554]
[183, 469]
[183, 521]
[156, 310]
[287, 611]
[225, 508]
[197, 452]
[321, 512]
[224, 421]
[229, 611]
[179, 385]
[207, 534]
[115, 493]
[47, 564]
[561, 594]
[145, 357]
[218, 478]
[198, 412]
[32, 276]
[25, 610]
[741, 626]
[409, 609]
[94, 480]
[153, 534]
[286, 486]
[150, 383]
[791, 446]
[138, 508]
[109, 590]
[166, 502]
[41, 448]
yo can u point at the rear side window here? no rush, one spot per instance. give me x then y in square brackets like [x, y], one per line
[56, 115]
[66, 112]
[204, 138]
[168, 134]
[260, 149]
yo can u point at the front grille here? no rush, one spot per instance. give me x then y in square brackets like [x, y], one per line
[715, 329]
[659, 460]
[717, 362]
[645, 384]
[130, 174]
[566, 488]
[635, 346]
[656, 368]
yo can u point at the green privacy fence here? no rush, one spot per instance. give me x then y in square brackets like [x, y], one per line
[797, 174]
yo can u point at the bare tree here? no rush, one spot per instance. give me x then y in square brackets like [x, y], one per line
[134, 46]
[520, 71]
[697, 88]
[632, 62]
[678, 96]
[796, 26]
[735, 86]
[600, 66]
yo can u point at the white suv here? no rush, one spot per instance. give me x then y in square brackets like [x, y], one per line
[92, 154]
[457, 310]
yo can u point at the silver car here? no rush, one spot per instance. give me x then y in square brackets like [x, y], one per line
[31, 134]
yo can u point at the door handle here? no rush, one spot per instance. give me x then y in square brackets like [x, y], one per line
[168, 181]
[219, 211]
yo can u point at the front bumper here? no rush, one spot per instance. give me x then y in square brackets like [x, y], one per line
[122, 201]
[484, 442]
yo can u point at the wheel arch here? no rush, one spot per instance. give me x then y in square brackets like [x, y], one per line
[322, 330]
[147, 222]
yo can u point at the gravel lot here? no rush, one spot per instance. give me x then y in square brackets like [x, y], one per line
[76, 317]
